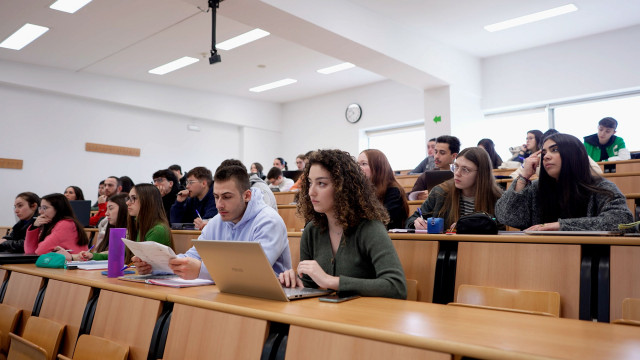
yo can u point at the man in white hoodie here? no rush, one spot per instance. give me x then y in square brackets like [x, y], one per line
[242, 216]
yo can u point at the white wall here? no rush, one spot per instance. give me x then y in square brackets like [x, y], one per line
[592, 65]
[319, 122]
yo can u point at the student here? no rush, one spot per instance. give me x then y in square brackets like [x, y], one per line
[377, 169]
[473, 188]
[117, 217]
[165, 180]
[429, 162]
[195, 204]
[446, 150]
[256, 182]
[73, 193]
[490, 148]
[604, 145]
[94, 207]
[256, 168]
[300, 161]
[533, 143]
[147, 220]
[303, 158]
[345, 246]
[280, 164]
[177, 170]
[112, 186]
[126, 183]
[567, 195]
[25, 207]
[55, 226]
[242, 216]
[278, 181]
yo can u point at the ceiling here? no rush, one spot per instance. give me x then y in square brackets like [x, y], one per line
[125, 38]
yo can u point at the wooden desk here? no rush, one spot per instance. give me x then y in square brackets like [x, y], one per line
[392, 323]
[407, 181]
[285, 197]
[445, 329]
[620, 166]
[289, 214]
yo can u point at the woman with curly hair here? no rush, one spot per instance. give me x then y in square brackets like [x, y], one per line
[345, 246]
[377, 169]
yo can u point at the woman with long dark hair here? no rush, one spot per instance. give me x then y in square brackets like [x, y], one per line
[345, 246]
[26, 209]
[532, 144]
[567, 195]
[490, 148]
[73, 193]
[147, 219]
[377, 169]
[55, 226]
[472, 189]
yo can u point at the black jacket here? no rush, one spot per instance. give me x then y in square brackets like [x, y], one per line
[15, 239]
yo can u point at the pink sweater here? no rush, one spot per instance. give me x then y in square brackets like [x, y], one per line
[63, 234]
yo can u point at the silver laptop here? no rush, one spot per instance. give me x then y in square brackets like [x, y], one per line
[242, 268]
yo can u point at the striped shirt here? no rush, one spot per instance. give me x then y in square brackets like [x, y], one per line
[467, 205]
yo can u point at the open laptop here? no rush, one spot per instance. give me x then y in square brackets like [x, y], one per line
[82, 210]
[242, 268]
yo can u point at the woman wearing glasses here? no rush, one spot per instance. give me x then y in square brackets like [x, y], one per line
[567, 195]
[147, 220]
[532, 144]
[473, 188]
[56, 226]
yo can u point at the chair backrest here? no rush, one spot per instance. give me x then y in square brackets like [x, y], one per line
[8, 320]
[535, 302]
[39, 333]
[91, 347]
[412, 289]
[22, 349]
[631, 309]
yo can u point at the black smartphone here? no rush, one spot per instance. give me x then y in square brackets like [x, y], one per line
[337, 299]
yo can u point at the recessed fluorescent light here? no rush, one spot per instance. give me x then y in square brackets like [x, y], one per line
[25, 35]
[273, 85]
[240, 40]
[531, 18]
[69, 6]
[336, 68]
[174, 65]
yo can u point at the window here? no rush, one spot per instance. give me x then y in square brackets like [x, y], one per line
[405, 147]
[506, 130]
[581, 119]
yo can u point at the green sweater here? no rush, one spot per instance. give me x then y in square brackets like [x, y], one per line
[157, 233]
[366, 261]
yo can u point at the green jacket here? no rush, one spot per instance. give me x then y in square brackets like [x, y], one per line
[592, 144]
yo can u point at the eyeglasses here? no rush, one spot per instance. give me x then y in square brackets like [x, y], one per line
[159, 180]
[131, 198]
[465, 170]
[191, 182]
[44, 208]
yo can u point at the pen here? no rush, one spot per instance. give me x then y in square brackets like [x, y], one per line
[197, 212]
[124, 268]
[420, 212]
[92, 246]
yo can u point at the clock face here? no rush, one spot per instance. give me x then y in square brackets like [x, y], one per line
[353, 113]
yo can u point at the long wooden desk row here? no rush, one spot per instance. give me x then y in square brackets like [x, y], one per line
[592, 274]
[201, 322]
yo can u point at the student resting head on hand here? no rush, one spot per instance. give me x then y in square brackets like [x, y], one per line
[567, 196]
[345, 246]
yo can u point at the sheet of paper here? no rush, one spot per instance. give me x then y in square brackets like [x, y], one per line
[180, 282]
[153, 253]
[89, 265]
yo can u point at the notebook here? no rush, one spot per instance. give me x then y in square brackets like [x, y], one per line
[242, 268]
[82, 210]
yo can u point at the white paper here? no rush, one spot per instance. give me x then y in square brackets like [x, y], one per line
[153, 253]
[89, 265]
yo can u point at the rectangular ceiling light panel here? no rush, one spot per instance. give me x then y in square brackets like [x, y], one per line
[25, 35]
[542, 15]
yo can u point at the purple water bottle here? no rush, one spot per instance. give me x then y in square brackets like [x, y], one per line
[116, 252]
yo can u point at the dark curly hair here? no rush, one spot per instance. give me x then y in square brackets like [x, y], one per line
[354, 196]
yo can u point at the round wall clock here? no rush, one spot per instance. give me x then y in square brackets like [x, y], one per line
[353, 113]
